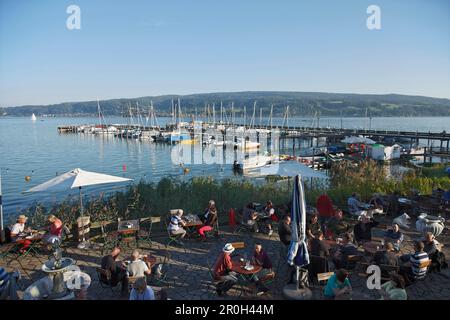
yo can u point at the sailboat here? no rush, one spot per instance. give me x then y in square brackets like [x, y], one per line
[33, 117]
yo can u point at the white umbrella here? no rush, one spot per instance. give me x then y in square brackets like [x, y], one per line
[76, 178]
[291, 168]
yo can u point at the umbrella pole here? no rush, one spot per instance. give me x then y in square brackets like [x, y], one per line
[82, 244]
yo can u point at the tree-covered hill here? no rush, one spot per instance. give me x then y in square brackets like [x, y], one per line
[300, 104]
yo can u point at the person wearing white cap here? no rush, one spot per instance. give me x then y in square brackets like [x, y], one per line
[222, 270]
[17, 229]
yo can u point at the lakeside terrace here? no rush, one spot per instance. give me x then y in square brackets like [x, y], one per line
[187, 268]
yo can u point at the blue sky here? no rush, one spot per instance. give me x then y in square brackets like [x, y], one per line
[138, 48]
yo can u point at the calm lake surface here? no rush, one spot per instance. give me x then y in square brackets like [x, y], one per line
[36, 149]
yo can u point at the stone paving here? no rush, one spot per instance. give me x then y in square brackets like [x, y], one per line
[188, 276]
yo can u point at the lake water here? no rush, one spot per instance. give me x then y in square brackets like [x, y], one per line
[36, 149]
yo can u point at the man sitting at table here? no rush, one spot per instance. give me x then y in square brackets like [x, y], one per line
[249, 218]
[55, 229]
[17, 229]
[284, 231]
[176, 225]
[338, 286]
[363, 229]
[209, 223]
[348, 248]
[137, 267]
[395, 236]
[313, 226]
[319, 246]
[222, 270]
[355, 207]
[414, 269]
[386, 257]
[116, 269]
[336, 225]
[261, 258]
[269, 210]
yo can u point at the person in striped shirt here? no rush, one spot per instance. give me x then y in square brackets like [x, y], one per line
[415, 268]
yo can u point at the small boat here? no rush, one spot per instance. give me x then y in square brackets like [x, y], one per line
[33, 117]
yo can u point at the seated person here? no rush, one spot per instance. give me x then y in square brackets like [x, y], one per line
[394, 289]
[326, 210]
[211, 220]
[395, 236]
[17, 229]
[137, 267]
[176, 225]
[319, 247]
[414, 270]
[355, 207]
[430, 245]
[348, 248]
[117, 270]
[55, 229]
[210, 209]
[363, 229]
[222, 270]
[141, 291]
[376, 203]
[261, 258]
[387, 256]
[249, 218]
[284, 231]
[336, 225]
[338, 286]
[269, 217]
[313, 227]
[270, 211]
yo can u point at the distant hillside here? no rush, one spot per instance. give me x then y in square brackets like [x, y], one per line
[300, 104]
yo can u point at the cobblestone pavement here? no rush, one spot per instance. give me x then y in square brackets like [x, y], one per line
[188, 276]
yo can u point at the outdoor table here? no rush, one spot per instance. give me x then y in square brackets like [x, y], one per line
[192, 223]
[238, 267]
[372, 247]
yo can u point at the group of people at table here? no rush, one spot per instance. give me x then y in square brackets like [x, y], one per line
[330, 238]
[24, 236]
[137, 267]
[208, 220]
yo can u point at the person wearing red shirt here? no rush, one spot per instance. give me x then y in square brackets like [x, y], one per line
[55, 229]
[222, 270]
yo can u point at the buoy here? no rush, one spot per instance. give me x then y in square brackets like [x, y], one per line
[27, 178]
[186, 170]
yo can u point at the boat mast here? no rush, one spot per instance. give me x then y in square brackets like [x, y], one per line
[260, 116]
[270, 116]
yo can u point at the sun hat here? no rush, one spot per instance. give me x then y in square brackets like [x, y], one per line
[228, 248]
[22, 216]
